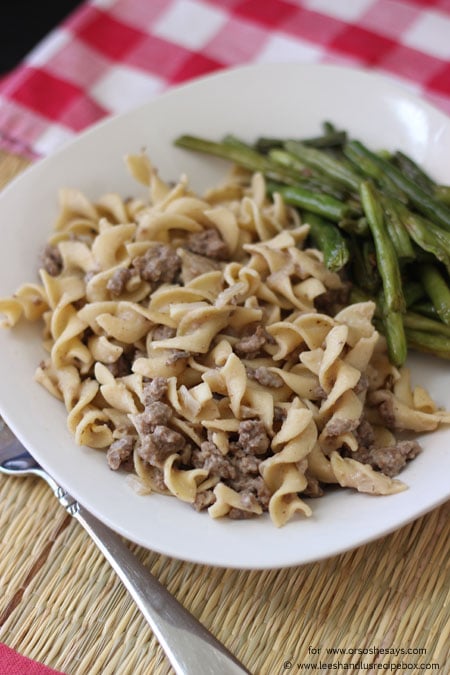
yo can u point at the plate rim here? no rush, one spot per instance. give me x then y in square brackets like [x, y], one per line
[167, 95]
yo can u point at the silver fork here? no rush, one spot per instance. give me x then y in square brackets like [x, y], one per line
[190, 648]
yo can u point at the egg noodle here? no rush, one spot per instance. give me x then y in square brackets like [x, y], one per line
[203, 346]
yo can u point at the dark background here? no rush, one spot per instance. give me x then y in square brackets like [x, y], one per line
[24, 23]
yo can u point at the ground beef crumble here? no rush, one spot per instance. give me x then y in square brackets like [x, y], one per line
[120, 451]
[208, 243]
[362, 384]
[117, 283]
[162, 332]
[156, 439]
[210, 458]
[249, 346]
[158, 480]
[245, 463]
[333, 299]
[155, 413]
[177, 354]
[203, 500]
[365, 434]
[155, 390]
[279, 414]
[156, 446]
[239, 468]
[121, 367]
[265, 377]
[159, 264]
[319, 393]
[253, 485]
[390, 460]
[313, 487]
[386, 410]
[51, 260]
[240, 514]
[253, 437]
[193, 265]
[340, 425]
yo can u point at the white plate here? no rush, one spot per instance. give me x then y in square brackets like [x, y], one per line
[275, 99]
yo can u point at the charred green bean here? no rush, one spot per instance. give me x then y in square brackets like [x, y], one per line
[437, 290]
[387, 260]
[321, 204]
[436, 210]
[327, 237]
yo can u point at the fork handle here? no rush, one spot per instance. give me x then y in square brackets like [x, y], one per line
[189, 646]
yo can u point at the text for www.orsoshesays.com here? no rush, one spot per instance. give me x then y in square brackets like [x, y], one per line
[323, 660]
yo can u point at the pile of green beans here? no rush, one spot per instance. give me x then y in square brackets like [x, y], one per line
[379, 219]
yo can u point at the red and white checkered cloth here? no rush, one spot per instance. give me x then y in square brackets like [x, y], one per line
[111, 55]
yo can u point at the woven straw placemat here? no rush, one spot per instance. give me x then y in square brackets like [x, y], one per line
[385, 604]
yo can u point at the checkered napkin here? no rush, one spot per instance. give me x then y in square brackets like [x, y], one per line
[111, 55]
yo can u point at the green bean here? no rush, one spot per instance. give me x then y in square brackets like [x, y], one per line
[247, 158]
[438, 345]
[397, 230]
[413, 171]
[320, 160]
[357, 294]
[387, 260]
[443, 236]
[264, 144]
[427, 205]
[389, 323]
[287, 159]
[358, 226]
[231, 139]
[425, 308]
[326, 236]
[442, 192]
[364, 265]
[240, 153]
[364, 162]
[370, 169]
[437, 290]
[424, 234]
[423, 256]
[396, 338]
[413, 291]
[306, 177]
[321, 204]
[288, 174]
[416, 321]
[394, 332]
[329, 139]
[417, 331]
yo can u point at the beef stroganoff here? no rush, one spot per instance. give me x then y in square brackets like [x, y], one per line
[203, 346]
